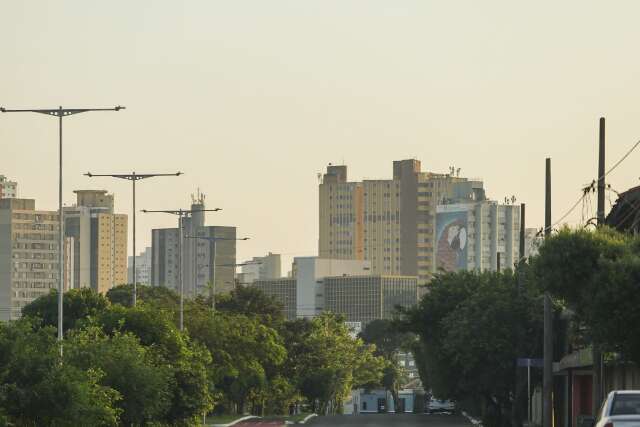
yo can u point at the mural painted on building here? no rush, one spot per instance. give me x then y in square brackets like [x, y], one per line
[451, 241]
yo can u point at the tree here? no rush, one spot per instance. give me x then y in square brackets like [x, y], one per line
[136, 372]
[251, 301]
[388, 342]
[159, 296]
[78, 304]
[597, 275]
[39, 390]
[245, 355]
[191, 395]
[473, 327]
[326, 362]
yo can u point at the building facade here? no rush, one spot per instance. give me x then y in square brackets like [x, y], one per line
[309, 272]
[367, 298]
[282, 290]
[8, 189]
[29, 265]
[99, 239]
[143, 267]
[203, 259]
[389, 222]
[477, 236]
[262, 268]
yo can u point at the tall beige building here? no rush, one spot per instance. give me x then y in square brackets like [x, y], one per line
[28, 254]
[389, 222]
[99, 239]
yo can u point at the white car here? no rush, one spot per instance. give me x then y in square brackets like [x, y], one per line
[620, 409]
[443, 406]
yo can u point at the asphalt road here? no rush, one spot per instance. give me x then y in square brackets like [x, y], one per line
[377, 420]
[386, 420]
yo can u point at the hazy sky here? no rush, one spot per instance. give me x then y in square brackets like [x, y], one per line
[251, 99]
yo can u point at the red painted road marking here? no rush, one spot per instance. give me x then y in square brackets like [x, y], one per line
[261, 423]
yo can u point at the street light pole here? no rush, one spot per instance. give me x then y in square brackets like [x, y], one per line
[181, 213]
[133, 177]
[60, 113]
[213, 274]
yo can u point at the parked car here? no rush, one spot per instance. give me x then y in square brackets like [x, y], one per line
[620, 409]
[440, 406]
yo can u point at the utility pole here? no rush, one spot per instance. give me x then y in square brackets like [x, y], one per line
[133, 177]
[60, 113]
[522, 233]
[597, 353]
[547, 379]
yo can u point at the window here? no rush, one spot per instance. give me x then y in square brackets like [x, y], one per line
[626, 404]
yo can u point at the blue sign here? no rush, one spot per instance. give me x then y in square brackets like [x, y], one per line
[533, 363]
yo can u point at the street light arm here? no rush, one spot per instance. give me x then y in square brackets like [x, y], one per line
[133, 176]
[60, 112]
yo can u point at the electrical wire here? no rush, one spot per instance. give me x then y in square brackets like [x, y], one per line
[591, 187]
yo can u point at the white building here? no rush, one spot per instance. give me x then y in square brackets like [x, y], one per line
[532, 242]
[143, 267]
[475, 236]
[8, 189]
[309, 272]
[262, 268]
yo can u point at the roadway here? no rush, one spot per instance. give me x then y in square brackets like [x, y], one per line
[375, 420]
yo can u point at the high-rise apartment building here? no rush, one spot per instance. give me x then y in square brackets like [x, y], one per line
[389, 222]
[29, 265]
[262, 268]
[8, 189]
[99, 239]
[477, 236]
[367, 298]
[143, 267]
[199, 267]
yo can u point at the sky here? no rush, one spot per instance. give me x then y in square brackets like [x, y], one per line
[252, 99]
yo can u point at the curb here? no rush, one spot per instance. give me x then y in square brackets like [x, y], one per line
[471, 419]
[239, 420]
[307, 418]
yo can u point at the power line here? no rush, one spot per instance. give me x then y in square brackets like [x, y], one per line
[591, 187]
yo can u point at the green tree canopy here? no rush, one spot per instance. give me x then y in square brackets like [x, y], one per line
[136, 372]
[78, 304]
[473, 327]
[38, 390]
[597, 275]
[250, 301]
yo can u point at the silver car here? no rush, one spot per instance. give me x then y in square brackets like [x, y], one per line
[620, 409]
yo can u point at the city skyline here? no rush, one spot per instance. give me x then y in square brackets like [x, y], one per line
[235, 96]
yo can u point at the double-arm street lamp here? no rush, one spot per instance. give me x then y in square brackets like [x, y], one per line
[181, 213]
[133, 177]
[213, 240]
[60, 113]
